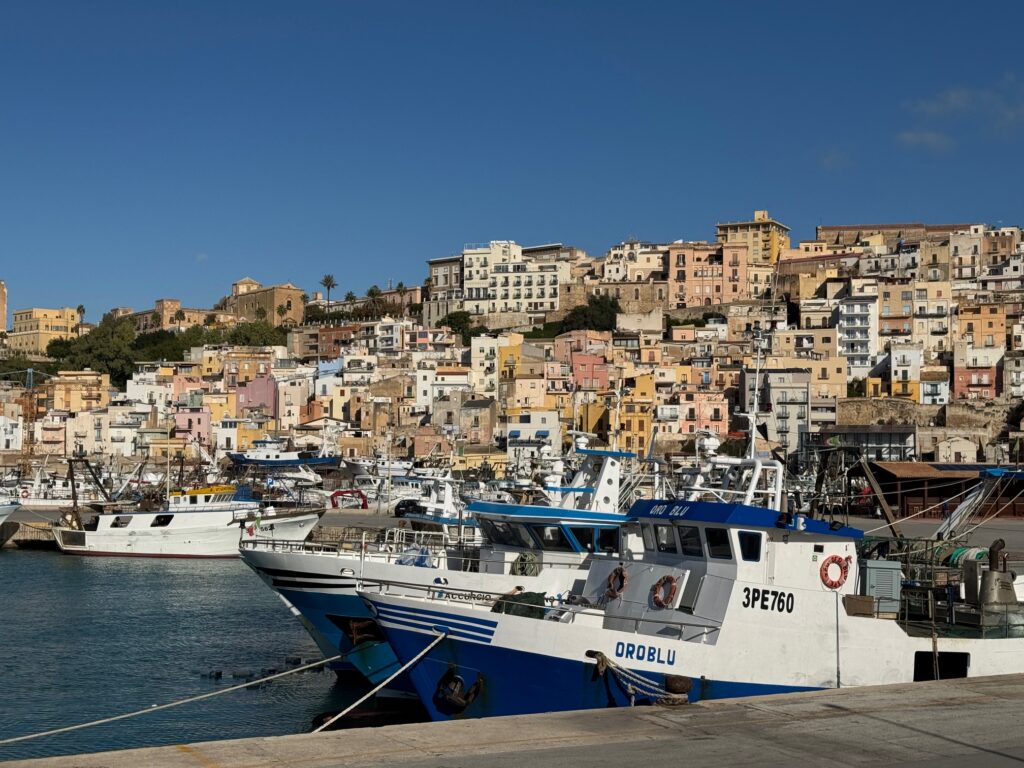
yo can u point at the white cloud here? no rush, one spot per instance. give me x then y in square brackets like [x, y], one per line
[932, 141]
[1000, 104]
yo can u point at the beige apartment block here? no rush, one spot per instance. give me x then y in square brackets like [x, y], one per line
[765, 237]
[76, 391]
[34, 328]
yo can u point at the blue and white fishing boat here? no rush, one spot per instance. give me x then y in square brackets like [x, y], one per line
[273, 452]
[444, 546]
[719, 594]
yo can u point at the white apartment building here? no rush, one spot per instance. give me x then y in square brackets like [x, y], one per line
[858, 332]
[499, 279]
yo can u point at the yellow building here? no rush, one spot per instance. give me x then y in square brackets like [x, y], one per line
[34, 328]
[249, 300]
[76, 391]
[636, 414]
[765, 237]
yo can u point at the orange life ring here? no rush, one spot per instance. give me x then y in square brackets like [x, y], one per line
[661, 598]
[844, 571]
[24, 493]
[618, 580]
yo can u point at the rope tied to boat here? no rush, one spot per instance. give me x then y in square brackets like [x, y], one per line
[169, 705]
[411, 663]
[634, 684]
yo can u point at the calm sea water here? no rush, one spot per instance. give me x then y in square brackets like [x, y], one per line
[86, 638]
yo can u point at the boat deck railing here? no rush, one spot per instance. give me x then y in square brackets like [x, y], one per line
[556, 609]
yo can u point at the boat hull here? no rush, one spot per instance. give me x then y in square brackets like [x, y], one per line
[188, 535]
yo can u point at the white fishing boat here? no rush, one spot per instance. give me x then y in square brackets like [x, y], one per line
[7, 508]
[202, 522]
[444, 546]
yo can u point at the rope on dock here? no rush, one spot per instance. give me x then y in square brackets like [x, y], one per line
[157, 708]
[412, 662]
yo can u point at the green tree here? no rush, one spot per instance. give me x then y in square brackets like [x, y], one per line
[598, 314]
[261, 314]
[259, 334]
[350, 297]
[374, 302]
[281, 312]
[59, 349]
[81, 315]
[329, 284]
[155, 319]
[210, 319]
[108, 349]
[179, 317]
[461, 323]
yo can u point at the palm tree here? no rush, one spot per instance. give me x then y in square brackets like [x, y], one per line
[281, 312]
[305, 298]
[179, 317]
[374, 302]
[329, 283]
[350, 297]
[81, 317]
[401, 290]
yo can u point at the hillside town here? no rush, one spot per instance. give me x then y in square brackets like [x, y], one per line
[893, 342]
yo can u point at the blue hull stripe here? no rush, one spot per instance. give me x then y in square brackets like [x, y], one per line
[448, 618]
[462, 634]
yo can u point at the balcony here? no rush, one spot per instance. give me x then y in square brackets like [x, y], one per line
[933, 312]
[940, 331]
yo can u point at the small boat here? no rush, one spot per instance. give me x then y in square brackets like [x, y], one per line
[274, 452]
[200, 522]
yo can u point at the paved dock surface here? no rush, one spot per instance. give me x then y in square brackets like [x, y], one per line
[947, 723]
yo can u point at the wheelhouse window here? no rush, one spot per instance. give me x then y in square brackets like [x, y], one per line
[506, 534]
[689, 540]
[718, 543]
[161, 521]
[607, 539]
[585, 537]
[552, 538]
[648, 534]
[193, 499]
[120, 522]
[665, 538]
[750, 546]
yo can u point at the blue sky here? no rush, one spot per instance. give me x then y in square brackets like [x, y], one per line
[165, 149]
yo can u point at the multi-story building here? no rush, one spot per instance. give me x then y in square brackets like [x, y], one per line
[784, 397]
[484, 359]
[764, 237]
[445, 289]
[1013, 374]
[931, 322]
[75, 391]
[170, 315]
[982, 324]
[977, 371]
[251, 301]
[500, 279]
[704, 274]
[891, 234]
[1005, 276]
[33, 329]
[634, 261]
[895, 310]
[905, 361]
[858, 328]
[934, 385]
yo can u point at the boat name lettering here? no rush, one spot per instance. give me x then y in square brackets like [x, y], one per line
[768, 599]
[641, 652]
[472, 596]
[669, 510]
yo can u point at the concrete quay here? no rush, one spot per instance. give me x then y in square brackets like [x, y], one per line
[945, 723]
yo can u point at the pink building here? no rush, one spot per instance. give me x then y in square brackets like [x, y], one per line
[260, 393]
[581, 341]
[703, 274]
[590, 371]
[194, 421]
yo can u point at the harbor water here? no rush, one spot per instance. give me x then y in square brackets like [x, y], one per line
[87, 638]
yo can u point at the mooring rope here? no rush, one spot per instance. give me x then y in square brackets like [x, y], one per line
[158, 707]
[411, 662]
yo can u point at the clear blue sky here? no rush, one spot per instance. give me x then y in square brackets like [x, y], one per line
[153, 149]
